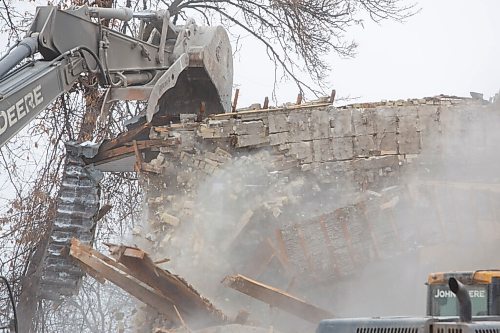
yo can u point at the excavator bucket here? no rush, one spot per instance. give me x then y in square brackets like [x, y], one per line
[195, 77]
[204, 84]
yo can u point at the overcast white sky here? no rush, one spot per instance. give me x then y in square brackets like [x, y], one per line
[450, 47]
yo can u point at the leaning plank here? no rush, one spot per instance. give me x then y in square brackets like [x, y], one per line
[196, 310]
[137, 133]
[113, 274]
[277, 298]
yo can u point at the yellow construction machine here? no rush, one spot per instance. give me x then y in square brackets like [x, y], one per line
[483, 287]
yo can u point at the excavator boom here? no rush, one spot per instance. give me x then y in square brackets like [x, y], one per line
[175, 69]
[29, 90]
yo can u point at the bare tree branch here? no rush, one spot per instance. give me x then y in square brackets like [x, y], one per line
[300, 34]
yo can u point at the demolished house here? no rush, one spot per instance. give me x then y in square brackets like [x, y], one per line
[263, 217]
[258, 218]
[285, 204]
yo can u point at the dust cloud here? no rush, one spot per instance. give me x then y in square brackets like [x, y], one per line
[446, 217]
[439, 212]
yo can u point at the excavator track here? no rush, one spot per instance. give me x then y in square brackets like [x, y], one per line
[77, 208]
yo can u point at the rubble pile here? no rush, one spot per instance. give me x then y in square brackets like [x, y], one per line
[307, 195]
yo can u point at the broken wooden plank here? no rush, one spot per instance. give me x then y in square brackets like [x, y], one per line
[299, 99]
[129, 149]
[126, 137]
[161, 261]
[135, 253]
[138, 157]
[105, 271]
[195, 309]
[266, 103]
[277, 298]
[235, 101]
[332, 96]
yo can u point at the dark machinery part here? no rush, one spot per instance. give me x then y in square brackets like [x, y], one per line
[465, 306]
[52, 274]
[77, 208]
[485, 324]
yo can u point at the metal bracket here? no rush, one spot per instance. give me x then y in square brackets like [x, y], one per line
[75, 67]
[163, 38]
[165, 82]
[183, 43]
[134, 93]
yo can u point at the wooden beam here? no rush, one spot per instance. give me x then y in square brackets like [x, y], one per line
[110, 272]
[138, 157]
[332, 96]
[126, 137]
[195, 309]
[266, 103]
[277, 298]
[299, 99]
[92, 272]
[235, 101]
[130, 148]
[265, 264]
[237, 231]
[102, 257]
